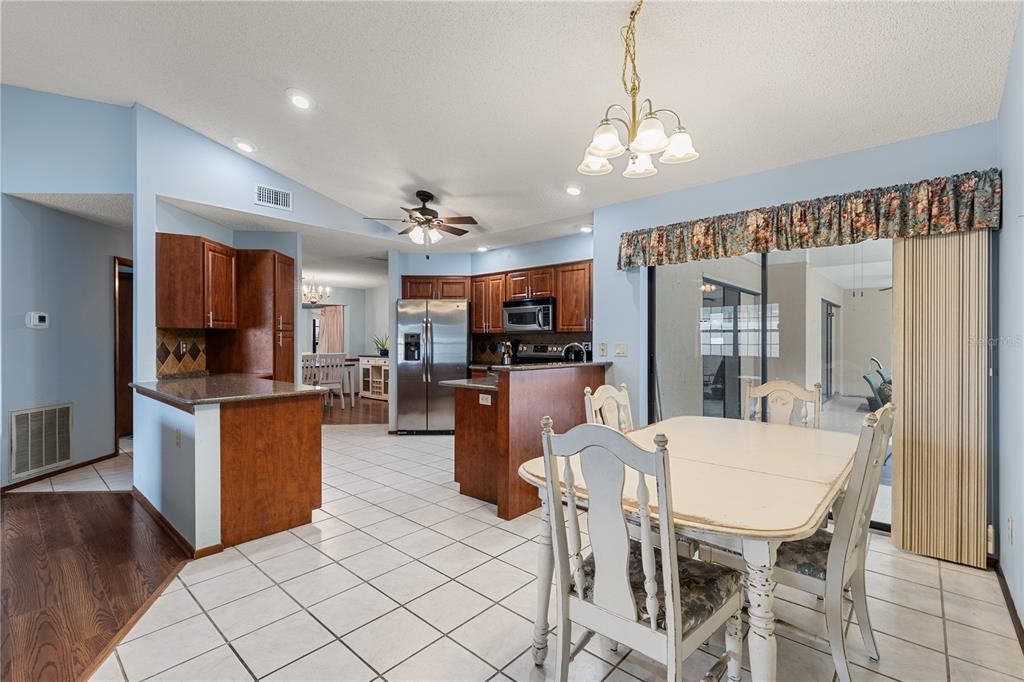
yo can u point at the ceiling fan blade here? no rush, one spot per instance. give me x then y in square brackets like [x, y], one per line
[413, 213]
[390, 220]
[457, 231]
[408, 230]
[460, 220]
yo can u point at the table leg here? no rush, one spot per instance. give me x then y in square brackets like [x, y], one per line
[760, 559]
[545, 572]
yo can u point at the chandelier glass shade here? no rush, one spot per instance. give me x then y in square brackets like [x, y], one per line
[314, 293]
[644, 130]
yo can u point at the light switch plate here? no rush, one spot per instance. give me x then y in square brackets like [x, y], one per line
[620, 350]
[485, 398]
[602, 350]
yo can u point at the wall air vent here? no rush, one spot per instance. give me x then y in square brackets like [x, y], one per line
[273, 197]
[40, 440]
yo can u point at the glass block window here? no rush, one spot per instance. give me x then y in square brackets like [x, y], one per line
[736, 330]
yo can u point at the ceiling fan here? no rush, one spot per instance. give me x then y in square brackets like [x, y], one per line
[424, 225]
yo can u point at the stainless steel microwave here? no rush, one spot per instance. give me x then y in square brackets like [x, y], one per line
[529, 315]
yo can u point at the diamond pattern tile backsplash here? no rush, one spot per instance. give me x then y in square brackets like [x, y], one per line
[180, 352]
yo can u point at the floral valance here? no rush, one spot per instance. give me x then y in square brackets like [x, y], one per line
[958, 203]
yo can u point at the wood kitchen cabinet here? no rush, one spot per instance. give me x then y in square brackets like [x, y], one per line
[488, 295]
[435, 287]
[263, 342]
[195, 283]
[573, 296]
[533, 283]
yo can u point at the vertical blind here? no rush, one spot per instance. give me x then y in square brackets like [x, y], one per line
[941, 390]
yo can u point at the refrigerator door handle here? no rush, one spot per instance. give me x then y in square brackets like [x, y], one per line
[430, 346]
[424, 349]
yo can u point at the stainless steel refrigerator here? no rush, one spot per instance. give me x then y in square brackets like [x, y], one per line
[432, 346]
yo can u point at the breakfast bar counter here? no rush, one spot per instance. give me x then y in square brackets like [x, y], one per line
[497, 425]
[226, 458]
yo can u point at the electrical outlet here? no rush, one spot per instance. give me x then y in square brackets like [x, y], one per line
[485, 398]
[184, 349]
[602, 350]
[621, 350]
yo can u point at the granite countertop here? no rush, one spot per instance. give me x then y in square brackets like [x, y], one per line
[546, 365]
[221, 388]
[490, 384]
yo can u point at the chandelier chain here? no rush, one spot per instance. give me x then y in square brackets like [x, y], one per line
[630, 76]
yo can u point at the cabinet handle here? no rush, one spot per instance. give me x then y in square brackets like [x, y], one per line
[209, 316]
[280, 321]
[280, 339]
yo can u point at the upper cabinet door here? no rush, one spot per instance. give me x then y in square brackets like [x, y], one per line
[478, 305]
[419, 287]
[453, 287]
[573, 307]
[219, 267]
[284, 293]
[517, 285]
[180, 303]
[495, 299]
[542, 282]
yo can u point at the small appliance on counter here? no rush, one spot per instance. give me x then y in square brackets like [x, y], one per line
[529, 315]
[546, 353]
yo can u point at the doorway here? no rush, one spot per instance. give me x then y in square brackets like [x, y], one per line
[829, 327]
[123, 411]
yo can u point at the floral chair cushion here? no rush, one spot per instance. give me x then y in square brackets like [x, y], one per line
[703, 587]
[808, 556]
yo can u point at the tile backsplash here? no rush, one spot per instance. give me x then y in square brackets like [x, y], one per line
[485, 346]
[180, 352]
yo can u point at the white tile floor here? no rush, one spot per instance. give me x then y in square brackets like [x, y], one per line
[110, 474]
[401, 578]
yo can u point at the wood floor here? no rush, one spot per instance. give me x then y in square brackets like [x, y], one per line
[78, 570]
[366, 411]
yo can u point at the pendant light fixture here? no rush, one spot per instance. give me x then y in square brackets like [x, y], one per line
[645, 133]
[314, 293]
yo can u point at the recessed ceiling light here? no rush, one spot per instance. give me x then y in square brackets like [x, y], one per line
[573, 189]
[481, 249]
[586, 228]
[300, 99]
[244, 144]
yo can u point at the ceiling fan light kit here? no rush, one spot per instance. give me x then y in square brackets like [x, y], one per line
[645, 133]
[424, 225]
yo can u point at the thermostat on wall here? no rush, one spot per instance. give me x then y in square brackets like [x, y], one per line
[37, 320]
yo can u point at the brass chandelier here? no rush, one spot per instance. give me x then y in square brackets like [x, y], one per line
[645, 133]
[313, 293]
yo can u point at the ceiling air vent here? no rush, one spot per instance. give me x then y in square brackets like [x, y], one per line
[40, 439]
[273, 197]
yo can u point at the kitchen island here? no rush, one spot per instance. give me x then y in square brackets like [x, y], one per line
[226, 458]
[497, 425]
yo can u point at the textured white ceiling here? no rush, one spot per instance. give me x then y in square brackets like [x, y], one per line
[489, 105]
[107, 209]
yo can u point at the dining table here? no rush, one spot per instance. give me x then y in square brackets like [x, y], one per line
[740, 486]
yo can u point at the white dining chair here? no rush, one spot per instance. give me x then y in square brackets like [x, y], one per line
[828, 562]
[609, 406]
[655, 602]
[309, 369]
[782, 398]
[332, 372]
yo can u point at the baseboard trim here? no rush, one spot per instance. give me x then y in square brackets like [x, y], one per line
[1014, 617]
[54, 472]
[178, 538]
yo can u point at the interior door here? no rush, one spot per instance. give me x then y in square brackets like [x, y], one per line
[447, 327]
[284, 293]
[123, 352]
[410, 363]
[219, 286]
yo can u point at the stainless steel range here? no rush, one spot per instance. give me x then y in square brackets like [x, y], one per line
[545, 353]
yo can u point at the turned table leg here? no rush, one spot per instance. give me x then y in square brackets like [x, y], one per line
[545, 572]
[760, 559]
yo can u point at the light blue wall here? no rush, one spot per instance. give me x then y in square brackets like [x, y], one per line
[1011, 325]
[62, 144]
[62, 265]
[620, 311]
[173, 220]
[548, 252]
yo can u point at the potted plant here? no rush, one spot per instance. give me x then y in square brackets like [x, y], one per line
[382, 345]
